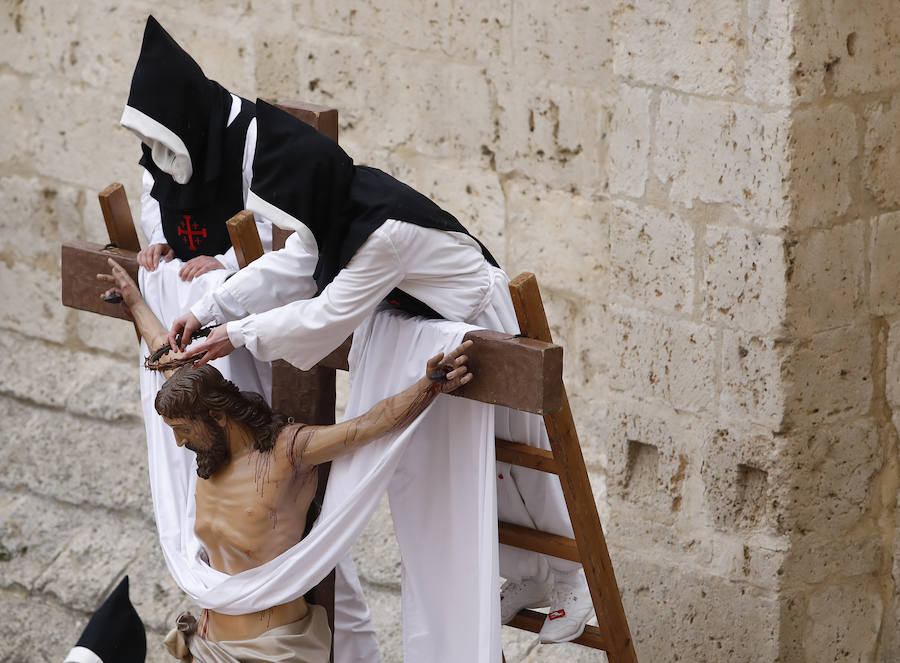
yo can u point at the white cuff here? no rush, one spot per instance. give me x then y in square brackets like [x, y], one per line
[207, 311]
[236, 333]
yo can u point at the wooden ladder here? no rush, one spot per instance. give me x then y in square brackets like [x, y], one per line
[566, 461]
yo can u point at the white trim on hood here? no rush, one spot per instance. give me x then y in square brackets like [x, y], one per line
[283, 220]
[150, 131]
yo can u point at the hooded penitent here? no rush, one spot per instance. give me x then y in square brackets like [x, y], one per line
[195, 160]
[115, 633]
[303, 181]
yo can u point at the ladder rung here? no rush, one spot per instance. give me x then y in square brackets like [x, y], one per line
[538, 541]
[516, 453]
[530, 620]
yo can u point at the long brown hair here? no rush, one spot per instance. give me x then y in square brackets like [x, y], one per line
[191, 392]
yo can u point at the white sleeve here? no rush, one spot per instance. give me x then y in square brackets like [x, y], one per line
[303, 332]
[273, 280]
[151, 219]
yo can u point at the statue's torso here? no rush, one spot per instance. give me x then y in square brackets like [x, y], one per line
[247, 514]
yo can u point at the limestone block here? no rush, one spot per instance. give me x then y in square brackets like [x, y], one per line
[682, 45]
[629, 142]
[153, 592]
[95, 462]
[569, 42]
[481, 31]
[649, 457]
[471, 193]
[827, 278]
[892, 370]
[629, 531]
[32, 302]
[823, 148]
[884, 262]
[844, 622]
[553, 132]
[739, 470]
[752, 385]
[76, 42]
[18, 118]
[94, 559]
[562, 238]
[34, 628]
[37, 215]
[743, 279]
[722, 152]
[882, 151]
[761, 561]
[421, 25]
[84, 383]
[767, 68]
[76, 135]
[563, 653]
[376, 552]
[701, 617]
[33, 532]
[673, 360]
[842, 50]
[652, 258]
[815, 559]
[108, 335]
[586, 368]
[828, 376]
[825, 478]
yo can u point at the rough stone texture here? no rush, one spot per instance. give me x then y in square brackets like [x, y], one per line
[823, 145]
[629, 142]
[652, 258]
[738, 272]
[707, 194]
[667, 359]
[683, 45]
[752, 384]
[827, 276]
[884, 258]
[721, 152]
[882, 153]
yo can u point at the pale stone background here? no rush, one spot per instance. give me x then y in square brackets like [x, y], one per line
[709, 194]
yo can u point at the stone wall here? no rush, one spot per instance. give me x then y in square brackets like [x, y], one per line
[708, 194]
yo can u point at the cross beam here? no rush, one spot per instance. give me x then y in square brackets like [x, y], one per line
[520, 373]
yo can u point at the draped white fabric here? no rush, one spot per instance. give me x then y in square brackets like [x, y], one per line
[442, 493]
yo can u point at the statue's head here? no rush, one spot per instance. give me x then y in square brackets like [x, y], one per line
[197, 402]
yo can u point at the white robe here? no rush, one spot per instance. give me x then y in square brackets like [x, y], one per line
[356, 484]
[446, 271]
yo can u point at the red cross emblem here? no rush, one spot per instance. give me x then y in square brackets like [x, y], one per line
[190, 231]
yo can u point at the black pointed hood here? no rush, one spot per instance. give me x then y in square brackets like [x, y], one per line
[115, 633]
[171, 100]
[303, 181]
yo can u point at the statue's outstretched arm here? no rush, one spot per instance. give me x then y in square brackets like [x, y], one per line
[311, 445]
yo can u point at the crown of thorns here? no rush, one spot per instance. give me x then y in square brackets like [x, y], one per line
[153, 363]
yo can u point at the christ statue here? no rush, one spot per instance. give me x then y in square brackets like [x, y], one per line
[258, 479]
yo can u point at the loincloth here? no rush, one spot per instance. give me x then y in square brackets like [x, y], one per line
[307, 640]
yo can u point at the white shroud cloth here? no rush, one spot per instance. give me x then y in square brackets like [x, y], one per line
[453, 524]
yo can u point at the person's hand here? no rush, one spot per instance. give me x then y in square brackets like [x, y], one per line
[449, 372]
[197, 266]
[183, 327]
[216, 345]
[148, 257]
[123, 285]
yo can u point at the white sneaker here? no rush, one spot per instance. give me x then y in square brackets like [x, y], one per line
[570, 610]
[516, 596]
